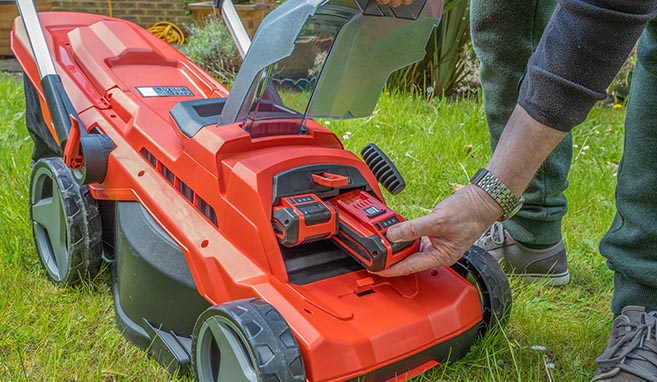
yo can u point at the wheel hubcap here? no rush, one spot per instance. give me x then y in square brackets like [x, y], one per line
[49, 222]
[222, 354]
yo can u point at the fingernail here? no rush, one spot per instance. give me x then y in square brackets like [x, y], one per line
[392, 234]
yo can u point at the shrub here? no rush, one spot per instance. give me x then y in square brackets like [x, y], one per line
[212, 47]
[619, 90]
[443, 67]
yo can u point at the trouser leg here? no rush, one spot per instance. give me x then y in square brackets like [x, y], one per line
[630, 245]
[504, 35]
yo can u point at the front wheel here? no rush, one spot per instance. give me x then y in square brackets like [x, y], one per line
[482, 270]
[245, 341]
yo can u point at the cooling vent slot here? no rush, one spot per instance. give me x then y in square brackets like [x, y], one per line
[189, 194]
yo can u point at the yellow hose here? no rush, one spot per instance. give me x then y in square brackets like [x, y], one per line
[168, 32]
[165, 30]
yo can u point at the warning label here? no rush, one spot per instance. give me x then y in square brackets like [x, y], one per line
[164, 91]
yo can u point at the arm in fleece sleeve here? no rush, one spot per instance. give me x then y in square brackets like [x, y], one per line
[583, 47]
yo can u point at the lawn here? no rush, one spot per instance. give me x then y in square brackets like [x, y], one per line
[554, 334]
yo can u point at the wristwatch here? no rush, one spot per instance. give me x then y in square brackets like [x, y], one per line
[497, 190]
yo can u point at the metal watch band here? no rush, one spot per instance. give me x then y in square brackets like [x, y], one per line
[497, 190]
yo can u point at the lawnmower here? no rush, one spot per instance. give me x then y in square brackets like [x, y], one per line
[242, 238]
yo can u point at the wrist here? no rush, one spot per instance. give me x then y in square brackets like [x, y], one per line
[489, 211]
[498, 191]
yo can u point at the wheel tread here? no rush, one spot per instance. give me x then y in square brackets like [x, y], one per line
[268, 334]
[492, 281]
[82, 217]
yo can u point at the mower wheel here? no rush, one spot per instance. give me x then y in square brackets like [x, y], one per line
[245, 341]
[65, 222]
[482, 270]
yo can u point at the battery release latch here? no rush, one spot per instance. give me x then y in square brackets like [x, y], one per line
[330, 180]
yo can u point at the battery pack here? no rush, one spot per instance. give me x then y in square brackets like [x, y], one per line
[363, 223]
[303, 219]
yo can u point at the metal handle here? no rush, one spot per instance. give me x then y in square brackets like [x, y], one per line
[59, 105]
[35, 35]
[234, 25]
[86, 155]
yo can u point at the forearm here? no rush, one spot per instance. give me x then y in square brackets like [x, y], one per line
[522, 148]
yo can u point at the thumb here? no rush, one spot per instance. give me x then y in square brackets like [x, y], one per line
[412, 229]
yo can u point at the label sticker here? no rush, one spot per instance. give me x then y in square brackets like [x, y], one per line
[164, 91]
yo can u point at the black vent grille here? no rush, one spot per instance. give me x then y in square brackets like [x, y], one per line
[201, 205]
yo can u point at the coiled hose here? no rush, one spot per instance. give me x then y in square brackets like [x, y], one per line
[168, 32]
[165, 30]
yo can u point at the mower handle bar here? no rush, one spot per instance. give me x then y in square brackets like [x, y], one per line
[59, 104]
[42, 57]
[234, 25]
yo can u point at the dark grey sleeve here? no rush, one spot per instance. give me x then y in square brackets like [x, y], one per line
[583, 47]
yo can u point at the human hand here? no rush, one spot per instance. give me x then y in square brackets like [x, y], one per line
[394, 3]
[447, 232]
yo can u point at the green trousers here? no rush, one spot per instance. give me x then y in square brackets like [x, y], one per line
[504, 35]
[630, 246]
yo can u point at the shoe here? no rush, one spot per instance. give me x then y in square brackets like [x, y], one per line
[631, 353]
[548, 265]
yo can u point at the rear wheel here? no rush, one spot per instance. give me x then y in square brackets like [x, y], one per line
[65, 223]
[482, 270]
[245, 341]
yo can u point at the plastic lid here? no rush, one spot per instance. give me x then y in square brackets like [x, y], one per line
[316, 58]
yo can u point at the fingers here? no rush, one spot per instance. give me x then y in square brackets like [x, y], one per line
[427, 258]
[395, 3]
[425, 244]
[413, 229]
[451, 228]
[383, 2]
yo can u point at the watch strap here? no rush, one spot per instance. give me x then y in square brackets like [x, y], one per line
[497, 190]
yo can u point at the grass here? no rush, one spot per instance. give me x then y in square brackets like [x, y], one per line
[68, 334]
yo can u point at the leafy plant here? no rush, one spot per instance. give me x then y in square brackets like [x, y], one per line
[619, 90]
[212, 47]
[443, 66]
[186, 8]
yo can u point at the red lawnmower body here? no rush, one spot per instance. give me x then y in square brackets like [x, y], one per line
[212, 194]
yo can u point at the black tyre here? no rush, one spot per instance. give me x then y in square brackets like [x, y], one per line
[245, 341]
[65, 223]
[481, 269]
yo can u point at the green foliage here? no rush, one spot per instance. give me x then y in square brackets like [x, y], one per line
[443, 66]
[212, 47]
[186, 7]
[619, 90]
[49, 333]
